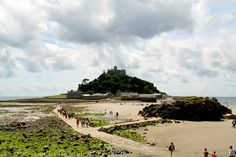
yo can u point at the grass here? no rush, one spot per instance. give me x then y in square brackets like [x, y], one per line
[129, 131]
[130, 134]
[97, 123]
[60, 96]
[52, 142]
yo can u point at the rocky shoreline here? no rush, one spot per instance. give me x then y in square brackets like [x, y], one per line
[188, 108]
[49, 136]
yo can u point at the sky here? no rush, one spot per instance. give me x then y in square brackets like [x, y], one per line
[185, 47]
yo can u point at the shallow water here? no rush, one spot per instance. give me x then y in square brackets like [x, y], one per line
[15, 109]
[23, 114]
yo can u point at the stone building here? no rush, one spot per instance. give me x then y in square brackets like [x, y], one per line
[115, 70]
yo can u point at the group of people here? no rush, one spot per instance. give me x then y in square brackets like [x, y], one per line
[84, 122]
[65, 113]
[111, 113]
[206, 153]
[231, 153]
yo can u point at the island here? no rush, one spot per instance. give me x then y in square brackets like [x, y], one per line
[115, 83]
[188, 108]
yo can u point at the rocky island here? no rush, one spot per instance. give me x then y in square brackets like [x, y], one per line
[188, 108]
[116, 83]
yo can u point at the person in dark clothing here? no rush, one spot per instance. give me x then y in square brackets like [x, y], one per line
[171, 148]
[206, 153]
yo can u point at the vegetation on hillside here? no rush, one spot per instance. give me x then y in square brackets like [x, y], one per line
[188, 108]
[115, 82]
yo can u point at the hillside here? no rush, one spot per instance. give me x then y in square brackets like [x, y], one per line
[116, 80]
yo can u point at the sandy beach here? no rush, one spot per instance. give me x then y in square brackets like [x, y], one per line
[126, 110]
[190, 138]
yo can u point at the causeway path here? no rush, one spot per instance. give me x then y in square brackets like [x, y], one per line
[137, 149]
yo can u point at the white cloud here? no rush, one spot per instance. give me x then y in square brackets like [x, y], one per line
[166, 42]
[102, 21]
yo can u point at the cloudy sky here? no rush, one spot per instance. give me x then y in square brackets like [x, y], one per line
[185, 47]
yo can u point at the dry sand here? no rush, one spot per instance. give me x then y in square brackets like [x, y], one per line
[190, 138]
[126, 110]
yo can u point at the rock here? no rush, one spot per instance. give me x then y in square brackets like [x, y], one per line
[45, 148]
[230, 116]
[11, 149]
[93, 154]
[24, 135]
[76, 144]
[64, 132]
[77, 137]
[152, 144]
[118, 152]
[169, 121]
[166, 121]
[62, 137]
[146, 129]
[188, 108]
[59, 142]
[85, 136]
[41, 134]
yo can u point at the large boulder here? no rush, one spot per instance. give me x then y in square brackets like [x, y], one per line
[188, 108]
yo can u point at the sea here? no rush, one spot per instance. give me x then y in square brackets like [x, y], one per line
[16, 97]
[226, 101]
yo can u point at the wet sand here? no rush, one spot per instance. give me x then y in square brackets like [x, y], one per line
[191, 138]
[126, 110]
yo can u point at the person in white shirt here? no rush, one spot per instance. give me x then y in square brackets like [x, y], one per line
[231, 152]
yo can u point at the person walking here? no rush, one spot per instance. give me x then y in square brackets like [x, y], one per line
[77, 122]
[117, 114]
[232, 152]
[234, 123]
[214, 154]
[205, 152]
[171, 148]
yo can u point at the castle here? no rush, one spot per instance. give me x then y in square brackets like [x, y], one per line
[115, 70]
